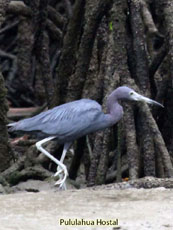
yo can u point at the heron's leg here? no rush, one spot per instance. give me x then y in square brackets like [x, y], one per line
[65, 149]
[60, 164]
[59, 171]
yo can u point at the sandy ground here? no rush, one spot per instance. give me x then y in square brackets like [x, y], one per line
[135, 209]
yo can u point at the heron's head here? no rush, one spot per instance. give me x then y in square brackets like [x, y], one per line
[127, 93]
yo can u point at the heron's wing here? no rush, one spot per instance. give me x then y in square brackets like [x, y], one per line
[70, 118]
[67, 119]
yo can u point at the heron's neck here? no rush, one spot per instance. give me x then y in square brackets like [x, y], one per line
[114, 109]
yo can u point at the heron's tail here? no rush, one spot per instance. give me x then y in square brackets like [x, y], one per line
[12, 126]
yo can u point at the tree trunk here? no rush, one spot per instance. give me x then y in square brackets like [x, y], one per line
[5, 157]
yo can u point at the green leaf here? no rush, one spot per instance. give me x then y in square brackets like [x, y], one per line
[110, 26]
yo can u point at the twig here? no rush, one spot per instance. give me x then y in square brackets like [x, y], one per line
[11, 46]
[7, 55]
[9, 27]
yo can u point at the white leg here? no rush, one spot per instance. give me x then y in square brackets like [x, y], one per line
[60, 164]
[59, 171]
[65, 149]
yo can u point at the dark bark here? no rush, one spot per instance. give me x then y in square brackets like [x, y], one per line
[132, 148]
[158, 140]
[56, 17]
[46, 76]
[108, 84]
[19, 8]
[41, 46]
[95, 159]
[5, 156]
[156, 62]
[117, 67]
[147, 146]
[103, 162]
[75, 164]
[25, 45]
[95, 11]
[93, 88]
[121, 66]
[168, 11]
[160, 172]
[141, 63]
[66, 66]
[119, 152]
[142, 78]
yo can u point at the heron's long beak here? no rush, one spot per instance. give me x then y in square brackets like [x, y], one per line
[137, 97]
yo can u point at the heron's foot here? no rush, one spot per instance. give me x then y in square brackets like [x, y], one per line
[59, 173]
[62, 173]
[61, 183]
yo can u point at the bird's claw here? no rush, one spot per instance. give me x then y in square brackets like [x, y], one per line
[58, 172]
[62, 179]
[61, 182]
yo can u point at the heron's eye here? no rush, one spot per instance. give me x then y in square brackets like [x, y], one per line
[131, 93]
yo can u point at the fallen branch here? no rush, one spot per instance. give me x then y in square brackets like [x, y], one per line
[146, 182]
[19, 113]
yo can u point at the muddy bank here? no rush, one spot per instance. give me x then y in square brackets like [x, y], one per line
[135, 209]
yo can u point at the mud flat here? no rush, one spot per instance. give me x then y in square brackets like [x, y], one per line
[134, 208]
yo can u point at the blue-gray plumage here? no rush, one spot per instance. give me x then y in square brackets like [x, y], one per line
[72, 120]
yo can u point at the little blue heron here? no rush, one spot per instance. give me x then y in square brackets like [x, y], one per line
[72, 120]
